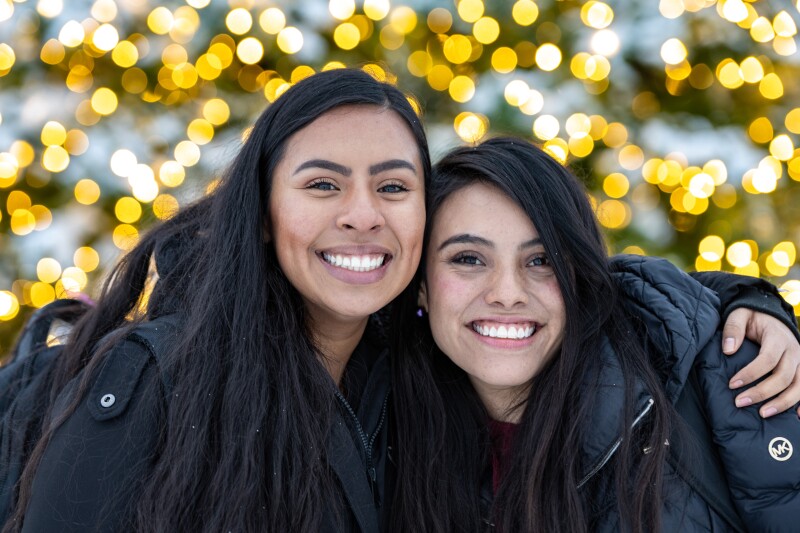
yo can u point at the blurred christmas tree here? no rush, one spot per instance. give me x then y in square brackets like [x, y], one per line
[678, 114]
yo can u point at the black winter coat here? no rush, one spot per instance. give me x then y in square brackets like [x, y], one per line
[763, 476]
[95, 463]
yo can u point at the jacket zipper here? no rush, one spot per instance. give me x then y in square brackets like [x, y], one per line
[368, 442]
[614, 448]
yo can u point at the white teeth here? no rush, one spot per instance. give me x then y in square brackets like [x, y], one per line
[503, 332]
[363, 263]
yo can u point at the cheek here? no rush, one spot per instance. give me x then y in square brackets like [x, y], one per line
[448, 299]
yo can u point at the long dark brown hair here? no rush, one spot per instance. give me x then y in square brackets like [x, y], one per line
[444, 451]
[246, 360]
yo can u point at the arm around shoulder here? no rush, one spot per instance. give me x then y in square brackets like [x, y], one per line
[761, 457]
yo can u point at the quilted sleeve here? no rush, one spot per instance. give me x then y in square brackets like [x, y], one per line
[761, 457]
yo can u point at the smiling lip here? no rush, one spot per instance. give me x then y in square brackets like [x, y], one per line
[357, 265]
[505, 332]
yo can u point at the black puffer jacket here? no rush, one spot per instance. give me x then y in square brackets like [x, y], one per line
[96, 461]
[763, 475]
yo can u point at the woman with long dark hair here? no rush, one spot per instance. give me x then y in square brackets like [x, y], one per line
[252, 394]
[541, 393]
[268, 410]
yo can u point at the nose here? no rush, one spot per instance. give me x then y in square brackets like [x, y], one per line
[506, 288]
[361, 210]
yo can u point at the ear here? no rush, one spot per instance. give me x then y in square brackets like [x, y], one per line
[422, 297]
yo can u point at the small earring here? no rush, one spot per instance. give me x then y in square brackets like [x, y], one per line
[420, 312]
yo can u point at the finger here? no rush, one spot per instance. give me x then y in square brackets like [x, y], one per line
[788, 398]
[734, 330]
[768, 358]
[783, 376]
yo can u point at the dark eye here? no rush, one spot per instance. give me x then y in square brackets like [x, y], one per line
[540, 260]
[322, 185]
[393, 188]
[467, 259]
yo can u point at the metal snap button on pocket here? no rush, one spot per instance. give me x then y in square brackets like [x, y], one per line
[108, 400]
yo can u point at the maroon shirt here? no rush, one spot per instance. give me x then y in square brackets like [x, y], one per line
[502, 435]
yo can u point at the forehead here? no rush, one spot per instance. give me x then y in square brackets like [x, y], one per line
[482, 210]
[366, 129]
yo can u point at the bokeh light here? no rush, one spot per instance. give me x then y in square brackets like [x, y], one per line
[116, 113]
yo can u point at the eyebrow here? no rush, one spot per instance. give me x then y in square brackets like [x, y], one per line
[391, 164]
[327, 165]
[466, 238]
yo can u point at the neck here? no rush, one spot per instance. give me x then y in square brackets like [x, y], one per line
[502, 405]
[336, 341]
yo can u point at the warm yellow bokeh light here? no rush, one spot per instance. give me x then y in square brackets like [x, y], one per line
[72, 34]
[86, 258]
[341, 9]
[782, 147]
[9, 304]
[239, 21]
[187, 153]
[470, 127]
[616, 185]
[712, 248]
[597, 15]
[125, 236]
[403, 20]
[739, 254]
[462, 89]
[457, 49]
[525, 12]
[346, 36]
[104, 101]
[470, 10]
[614, 214]
[546, 127]
[771, 86]
[486, 30]
[165, 206]
[290, 40]
[87, 191]
[48, 270]
[250, 51]
[42, 294]
[105, 38]
[55, 158]
[673, 52]
[760, 130]
[53, 134]
[548, 57]
[216, 111]
[128, 210]
[171, 173]
[272, 20]
[376, 9]
[762, 31]
[160, 20]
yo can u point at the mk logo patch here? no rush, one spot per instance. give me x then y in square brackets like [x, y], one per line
[780, 449]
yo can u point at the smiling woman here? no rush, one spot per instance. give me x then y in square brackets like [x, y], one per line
[495, 305]
[345, 222]
[258, 401]
[551, 386]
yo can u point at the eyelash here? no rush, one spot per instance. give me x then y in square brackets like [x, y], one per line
[470, 259]
[542, 257]
[316, 184]
[466, 258]
[319, 183]
[401, 188]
